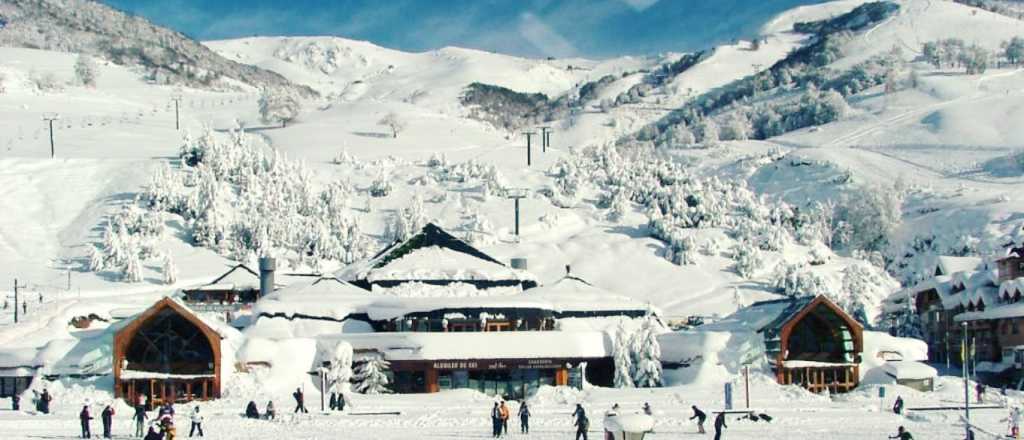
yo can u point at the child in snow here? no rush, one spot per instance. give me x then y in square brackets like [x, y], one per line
[197, 423]
[701, 417]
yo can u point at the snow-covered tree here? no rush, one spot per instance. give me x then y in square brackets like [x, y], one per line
[747, 259]
[647, 371]
[1013, 50]
[371, 377]
[381, 185]
[737, 127]
[393, 122]
[623, 358]
[339, 376]
[132, 271]
[408, 221]
[170, 271]
[709, 134]
[618, 206]
[278, 106]
[86, 70]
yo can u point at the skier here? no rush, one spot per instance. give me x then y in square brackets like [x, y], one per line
[582, 422]
[524, 418]
[504, 417]
[719, 425]
[84, 417]
[107, 417]
[300, 401]
[496, 421]
[701, 417]
[647, 409]
[152, 434]
[251, 411]
[271, 412]
[898, 406]
[140, 419]
[197, 423]
[44, 402]
[902, 434]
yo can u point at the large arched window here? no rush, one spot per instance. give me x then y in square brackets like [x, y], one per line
[823, 336]
[167, 342]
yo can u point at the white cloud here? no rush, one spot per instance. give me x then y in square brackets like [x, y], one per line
[543, 38]
[640, 5]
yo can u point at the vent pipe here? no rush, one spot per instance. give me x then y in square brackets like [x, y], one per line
[267, 267]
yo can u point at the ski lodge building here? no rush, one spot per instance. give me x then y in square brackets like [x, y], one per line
[447, 316]
[983, 297]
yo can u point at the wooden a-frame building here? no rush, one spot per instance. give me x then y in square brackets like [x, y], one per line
[167, 354]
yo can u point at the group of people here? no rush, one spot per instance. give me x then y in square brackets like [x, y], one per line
[500, 414]
[161, 429]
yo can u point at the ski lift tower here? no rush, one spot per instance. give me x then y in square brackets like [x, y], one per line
[515, 194]
[48, 118]
[529, 139]
[545, 138]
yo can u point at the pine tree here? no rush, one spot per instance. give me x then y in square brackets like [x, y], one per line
[648, 358]
[623, 358]
[132, 271]
[170, 271]
[370, 376]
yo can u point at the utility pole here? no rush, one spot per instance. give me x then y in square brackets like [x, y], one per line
[177, 99]
[529, 145]
[967, 394]
[515, 194]
[746, 383]
[545, 131]
[49, 118]
[16, 287]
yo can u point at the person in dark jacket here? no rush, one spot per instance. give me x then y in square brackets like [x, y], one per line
[582, 423]
[700, 416]
[251, 411]
[341, 402]
[524, 418]
[271, 412]
[902, 434]
[719, 425]
[140, 419]
[496, 421]
[300, 401]
[85, 417]
[107, 417]
[153, 435]
[44, 402]
[898, 406]
[333, 404]
[980, 390]
[15, 403]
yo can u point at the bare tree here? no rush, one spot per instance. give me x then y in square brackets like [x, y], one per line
[392, 121]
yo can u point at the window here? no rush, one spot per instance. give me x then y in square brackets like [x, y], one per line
[1016, 327]
[498, 327]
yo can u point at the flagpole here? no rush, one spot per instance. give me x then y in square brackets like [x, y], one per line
[967, 395]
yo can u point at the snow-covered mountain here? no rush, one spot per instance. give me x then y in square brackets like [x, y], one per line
[948, 137]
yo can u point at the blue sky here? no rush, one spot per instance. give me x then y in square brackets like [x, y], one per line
[589, 28]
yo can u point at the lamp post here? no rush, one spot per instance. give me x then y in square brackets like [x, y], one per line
[967, 394]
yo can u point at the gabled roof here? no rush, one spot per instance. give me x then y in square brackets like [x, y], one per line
[238, 276]
[945, 265]
[431, 254]
[770, 317]
[168, 303]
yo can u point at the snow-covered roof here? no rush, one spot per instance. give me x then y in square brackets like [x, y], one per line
[432, 254]
[909, 370]
[1011, 288]
[337, 301]
[483, 345]
[946, 265]
[240, 276]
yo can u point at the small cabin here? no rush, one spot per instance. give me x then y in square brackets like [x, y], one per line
[239, 287]
[167, 354]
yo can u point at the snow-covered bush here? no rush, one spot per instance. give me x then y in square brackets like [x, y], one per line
[344, 158]
[866, 219]
[45, 81]
[864, 288]
[371, 376]
[339, 375]
[381, 185]
[278, 106]
[479, 230]
[86, 71]
[798, 280]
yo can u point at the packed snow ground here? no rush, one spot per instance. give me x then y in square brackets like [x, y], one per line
[465, 414]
